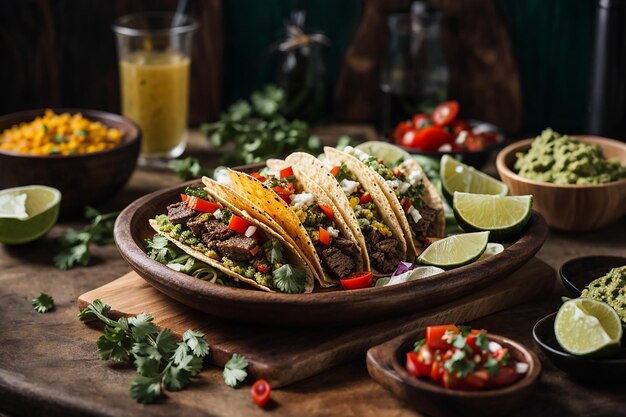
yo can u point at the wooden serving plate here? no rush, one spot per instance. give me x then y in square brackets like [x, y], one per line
[321, 308]
[386, 364]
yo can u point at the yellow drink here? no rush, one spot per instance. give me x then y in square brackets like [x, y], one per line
[155, 94]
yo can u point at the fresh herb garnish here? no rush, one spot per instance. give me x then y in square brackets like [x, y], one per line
[58, 138]
[482, 342]
[491, 365]
[188, 168]
[259, 131]
[161, 361]
[235, 370]
[196, 192]
[459, 364]
[289, 279]
[75, 244]
[43, 303]
[273, 250]
[418, 345]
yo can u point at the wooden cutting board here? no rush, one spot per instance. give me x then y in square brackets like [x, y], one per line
[285, 355]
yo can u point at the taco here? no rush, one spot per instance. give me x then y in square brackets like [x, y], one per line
[414, 200]
[226, 237]
[306, 214]
[363, 205]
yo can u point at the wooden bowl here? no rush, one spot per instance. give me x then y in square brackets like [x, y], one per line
[569, 207]
[84, 179]
[322, 307]
[386, 364]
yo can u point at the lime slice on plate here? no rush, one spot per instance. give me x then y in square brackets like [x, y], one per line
[503, 216]
[27, 213]
[455, 251]
[456, 176]
[586, 327]
[391, 154]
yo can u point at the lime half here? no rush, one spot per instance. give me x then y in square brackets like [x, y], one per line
[456, 176]
[586, 327]
[455, 251]
[503, 216]
[27, 213]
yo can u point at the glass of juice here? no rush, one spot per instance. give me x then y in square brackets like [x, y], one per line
[154, 51]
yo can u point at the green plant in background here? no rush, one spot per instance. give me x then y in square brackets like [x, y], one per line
[258, 131]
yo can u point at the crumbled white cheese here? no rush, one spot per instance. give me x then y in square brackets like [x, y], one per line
[332, 231]
[521, 367]
[302, 200]
[414, 213]
[460, 139]
[348, 186]
[356, 153]
[217, 214]
[415, 177]
[394, 184]
[328, 164]
[404, 187]
[250, 231]
[482, 128]
[446, 147]
[494, 346]
[221, 176]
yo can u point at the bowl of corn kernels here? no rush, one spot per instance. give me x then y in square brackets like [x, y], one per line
[87, 154]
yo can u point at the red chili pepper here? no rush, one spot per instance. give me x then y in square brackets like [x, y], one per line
[260, 392]
[328, 212]
[199, 204]
[334, 171]
[286, 172]
[258, 176]
[238, 224]
[357, 280]
[324, 237]
[365, 198]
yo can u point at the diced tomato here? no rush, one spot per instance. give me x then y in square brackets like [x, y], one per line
[424, 361]
[420, 121]
[335, 170]
[199, 204]
[365, 198]
[260, 392]
[460, 125]
[328, 212]
[357, 280]
[412, 364]
[491, 137]
[475, 381]
[406, 204]
[449, 380]
[286, 172]
[506, 376]
[474, 142]
[400, 130]
[501, 354]
[428, 139]
[436, 372]
[434, 336]
[324, 237]
[445, 113]
[263, 268]
[183, 196]
[254, 250]
[258, 176]
[238, 224]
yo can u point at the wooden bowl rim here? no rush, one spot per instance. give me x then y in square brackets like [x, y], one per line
[505, 171]
[131, 134]
[529, 378]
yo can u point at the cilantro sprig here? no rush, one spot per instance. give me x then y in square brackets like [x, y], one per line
[188, 168]
[75, 243]
[235, 370]
[43, 303]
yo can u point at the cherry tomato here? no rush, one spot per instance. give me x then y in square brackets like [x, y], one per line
[328, 212]
[260, 392]
[335, 171]
[238, 224]
[506, 376]
[400, 130]
[420, 121]
[445, 113]
[357, 280]
[460, 125]
[434, 336]
[409, 137]
[324, 236]
[365, 198]
[428, 139]
[286, 172]
[199, 204]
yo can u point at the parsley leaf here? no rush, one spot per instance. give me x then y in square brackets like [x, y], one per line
[145, 389]
[43, 303]
[188, 168]
[289, 279]
[491, 365]
[195, 340]
[459, 364]
[235, 370]
[273, 250]
[142, 326]
[418, 345]
[482, 342]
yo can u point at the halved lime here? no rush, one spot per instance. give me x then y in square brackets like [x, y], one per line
[503, 216]
[455, 251]
[587, 327]
[391, 154]
[27, 213]
[456, 176]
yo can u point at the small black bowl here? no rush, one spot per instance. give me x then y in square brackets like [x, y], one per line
[582, 369]
[577, 273]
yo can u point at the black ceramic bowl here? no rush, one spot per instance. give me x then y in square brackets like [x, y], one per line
[582, 369]
[577, 273]
[83, 179]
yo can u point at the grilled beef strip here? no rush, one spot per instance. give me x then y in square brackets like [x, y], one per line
[424, 227]
[384, 252]
[237, 248]
[179, 213]
[337, 262]
[345, 245]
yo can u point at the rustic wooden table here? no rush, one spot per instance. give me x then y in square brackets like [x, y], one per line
[49, 365]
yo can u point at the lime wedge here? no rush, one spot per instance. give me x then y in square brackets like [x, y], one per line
[455, 251]
[391, 154]
[456, 176]
[503, 216]
[27, 213]
[586, 327]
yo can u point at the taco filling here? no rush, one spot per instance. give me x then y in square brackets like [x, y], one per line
[383, 248]
[220, 234]
[336, 253]
[409, 189]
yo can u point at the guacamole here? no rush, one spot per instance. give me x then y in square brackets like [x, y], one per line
[560, 159]
[611, 289]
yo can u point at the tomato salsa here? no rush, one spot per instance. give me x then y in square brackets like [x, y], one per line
[459, 357]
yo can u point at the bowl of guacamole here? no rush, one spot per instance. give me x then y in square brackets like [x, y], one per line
[578, 182]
